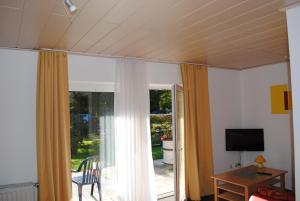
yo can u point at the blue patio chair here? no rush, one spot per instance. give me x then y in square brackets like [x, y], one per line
[91, 174]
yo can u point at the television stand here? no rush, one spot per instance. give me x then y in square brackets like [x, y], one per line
[239, 184]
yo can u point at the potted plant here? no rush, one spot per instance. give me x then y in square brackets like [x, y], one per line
[168, 143]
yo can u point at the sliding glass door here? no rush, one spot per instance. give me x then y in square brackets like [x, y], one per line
[92, 134]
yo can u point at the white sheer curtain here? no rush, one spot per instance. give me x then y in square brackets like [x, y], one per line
[135, 172]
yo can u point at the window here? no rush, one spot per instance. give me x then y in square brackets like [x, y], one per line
[92, 134]
[92, 126]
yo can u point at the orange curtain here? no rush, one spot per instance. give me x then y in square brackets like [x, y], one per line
[53, 127]
[198, 143]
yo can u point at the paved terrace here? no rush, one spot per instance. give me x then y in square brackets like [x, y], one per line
[164, 178]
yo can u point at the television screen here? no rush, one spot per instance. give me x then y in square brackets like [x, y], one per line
[244, 139]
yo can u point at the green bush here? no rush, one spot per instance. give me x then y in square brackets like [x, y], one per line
[161, 124]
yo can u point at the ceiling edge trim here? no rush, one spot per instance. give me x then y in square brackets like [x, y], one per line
[139, 58]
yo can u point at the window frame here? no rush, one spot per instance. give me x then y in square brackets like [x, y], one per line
[88, 86]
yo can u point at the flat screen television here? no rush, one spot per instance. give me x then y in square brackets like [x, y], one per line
[244, 139]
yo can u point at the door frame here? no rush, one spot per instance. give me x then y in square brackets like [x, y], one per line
[176, 88]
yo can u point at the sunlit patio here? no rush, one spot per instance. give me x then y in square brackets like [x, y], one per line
[164, 178]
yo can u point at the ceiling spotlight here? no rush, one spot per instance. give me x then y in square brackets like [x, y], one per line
[72, 8]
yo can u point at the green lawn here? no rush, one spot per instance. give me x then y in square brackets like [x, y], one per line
[90, 147]
[157, 152]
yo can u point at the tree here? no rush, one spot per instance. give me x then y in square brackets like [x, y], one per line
[86, 108]
[79, 119]
[160, 101]
[165, 102]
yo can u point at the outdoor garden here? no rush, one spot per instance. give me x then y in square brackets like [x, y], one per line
[92, 124]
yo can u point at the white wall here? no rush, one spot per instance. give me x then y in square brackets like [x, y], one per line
[17, 117]
[293, 16]
[225, 106]
[98, 73]
[256, 113]
[241, 99]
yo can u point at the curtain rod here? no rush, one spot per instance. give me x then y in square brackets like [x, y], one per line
[119, 57]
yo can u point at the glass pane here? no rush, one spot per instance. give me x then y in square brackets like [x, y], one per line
[162, 141]
[92, 135]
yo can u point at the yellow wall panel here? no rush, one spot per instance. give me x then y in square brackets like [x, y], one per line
[278, 99]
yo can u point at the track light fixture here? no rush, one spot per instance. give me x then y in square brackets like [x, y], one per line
[72, 8]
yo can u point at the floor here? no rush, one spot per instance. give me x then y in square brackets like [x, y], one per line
[106, 184]
[164, 178]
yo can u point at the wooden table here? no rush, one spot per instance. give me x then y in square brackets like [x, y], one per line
[239, 184]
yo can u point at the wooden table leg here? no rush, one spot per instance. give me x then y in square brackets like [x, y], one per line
[282, 182]
[246, 194]
[216, 189]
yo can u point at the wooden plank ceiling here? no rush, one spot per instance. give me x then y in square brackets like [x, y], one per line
[223, 33]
